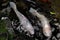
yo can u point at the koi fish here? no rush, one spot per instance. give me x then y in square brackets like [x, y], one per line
[23, 20]
[44, 21]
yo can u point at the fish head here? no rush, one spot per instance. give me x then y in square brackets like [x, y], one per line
[32, 32]
[47, 31]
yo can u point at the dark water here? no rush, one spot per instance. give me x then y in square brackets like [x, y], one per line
[23, 7]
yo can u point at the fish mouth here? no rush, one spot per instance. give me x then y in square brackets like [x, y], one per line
[32, 32]
[47, 31]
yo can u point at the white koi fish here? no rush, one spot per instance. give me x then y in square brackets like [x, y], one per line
[23, 20]
[44, 21]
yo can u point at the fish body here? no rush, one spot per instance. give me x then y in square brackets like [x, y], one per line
[44, 22]
[23, 20]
